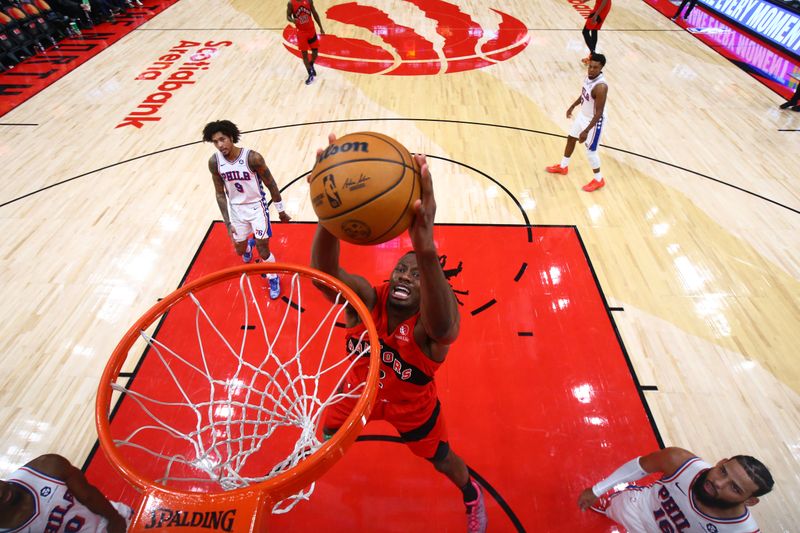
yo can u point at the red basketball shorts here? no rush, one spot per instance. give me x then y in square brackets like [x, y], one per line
[421, 425]
[307, 40]
[591, 24]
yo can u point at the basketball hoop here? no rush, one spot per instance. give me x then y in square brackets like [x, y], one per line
[226, 427]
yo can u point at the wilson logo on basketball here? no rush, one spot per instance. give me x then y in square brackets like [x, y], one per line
[456, 44]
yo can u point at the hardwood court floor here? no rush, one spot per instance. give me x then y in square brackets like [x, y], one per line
[695, 238]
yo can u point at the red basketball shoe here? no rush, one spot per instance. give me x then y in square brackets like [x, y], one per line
[594, 185]
[476, 512]
[557, 169]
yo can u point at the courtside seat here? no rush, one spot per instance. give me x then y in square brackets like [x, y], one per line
[49, 31]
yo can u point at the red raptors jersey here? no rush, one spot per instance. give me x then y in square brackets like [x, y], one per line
[301, 11]
[406, 373]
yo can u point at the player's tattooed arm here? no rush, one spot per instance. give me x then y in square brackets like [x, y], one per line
[86, 493]
[257, 163]
[219, 189]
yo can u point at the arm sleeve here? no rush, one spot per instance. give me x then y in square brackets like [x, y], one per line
[630, 471]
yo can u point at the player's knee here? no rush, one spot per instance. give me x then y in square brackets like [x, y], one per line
[594, 158]
[443, 458]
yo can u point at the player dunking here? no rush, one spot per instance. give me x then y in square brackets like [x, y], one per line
[300, 12]
[691, 497]
[417, 318]
[238, 175]
[589, 122]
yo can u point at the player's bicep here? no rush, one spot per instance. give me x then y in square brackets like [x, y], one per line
[359, 285]
[212, 168]
[600, 93]
[258, 164]
[666, 461]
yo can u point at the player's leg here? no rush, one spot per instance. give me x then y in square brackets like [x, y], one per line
[692, 3]
[592, 144]
[430, 440]
[793, 101]
[307, 63]
[241, 231]
[314, 53]
[579, 123]
[590, 42]
[680, 8]
[262, 229]
[563, 166]
[303, 46]
[336, 413]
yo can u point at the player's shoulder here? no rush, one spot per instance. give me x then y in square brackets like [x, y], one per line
[253, 156]
[50, 464]
[674, 460]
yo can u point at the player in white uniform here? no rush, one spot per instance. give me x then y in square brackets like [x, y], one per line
[692, 496]
[50, 495]
[588, 123]
[238, 175]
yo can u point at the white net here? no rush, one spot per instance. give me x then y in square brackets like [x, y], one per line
[242, 399]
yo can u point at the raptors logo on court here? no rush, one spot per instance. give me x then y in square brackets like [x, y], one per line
[458, 42]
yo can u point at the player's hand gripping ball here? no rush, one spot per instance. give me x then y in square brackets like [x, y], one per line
[363, 187]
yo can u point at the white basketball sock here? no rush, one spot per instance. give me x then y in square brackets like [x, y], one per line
[270, 259]
[564, 162]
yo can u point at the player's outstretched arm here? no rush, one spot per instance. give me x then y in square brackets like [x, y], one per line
[289, 14]
[438, 305]
[325, 257]
[667, 461]
[86, 493]
[257, 163]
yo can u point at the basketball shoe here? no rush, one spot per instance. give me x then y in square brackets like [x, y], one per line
[557, 169]
[594, 185]
[274, 287]
[248, 252]
[476, 512]
[310, 78]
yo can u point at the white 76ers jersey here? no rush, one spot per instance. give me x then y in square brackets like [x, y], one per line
[242, 184]
[55, 509]
[667, 505]
[587, 100]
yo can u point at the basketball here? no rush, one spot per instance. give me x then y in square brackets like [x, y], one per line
[363, 188]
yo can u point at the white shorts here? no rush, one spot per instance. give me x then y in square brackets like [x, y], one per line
[629, 508]
[250, 218]
[579, 124]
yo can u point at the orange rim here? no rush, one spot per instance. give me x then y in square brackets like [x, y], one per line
[282, 485]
